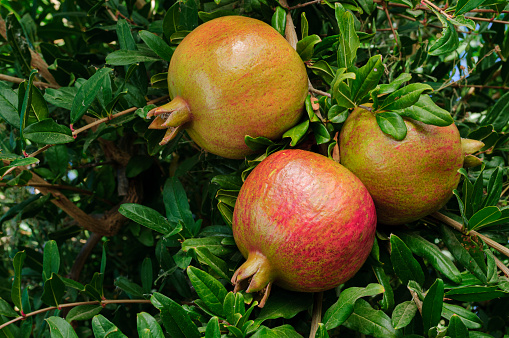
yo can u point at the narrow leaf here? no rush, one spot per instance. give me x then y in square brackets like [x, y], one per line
[432, 305]
[403, 314]
[425, 110]
[59, 328]
[405, 265]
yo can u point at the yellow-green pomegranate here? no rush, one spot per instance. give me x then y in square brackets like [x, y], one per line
[407, 179]
[231, 77]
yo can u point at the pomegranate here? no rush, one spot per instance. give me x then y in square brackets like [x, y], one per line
[231, 77]
[304, 222]
[407, 179]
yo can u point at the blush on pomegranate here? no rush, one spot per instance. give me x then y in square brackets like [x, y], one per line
[231, 77]
[407, 179]
[304, 222]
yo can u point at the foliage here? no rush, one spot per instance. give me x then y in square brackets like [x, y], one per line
[81, 168]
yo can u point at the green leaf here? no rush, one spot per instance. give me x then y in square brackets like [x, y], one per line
[484, 217]
[6, 310]
[148, 327]
[465, 6]
[387, 302]
[404, 97]
[286, 331]
[405, 265]
[48, 132]
[433, 255]
[432, 305]
[395, 84]
[366, 78]
[177, 206]
[215, 263]
[425, 110]
[464, 256]
[321, 133]
[175, 319]
[132, 289]
[18, 260]
[157, 44]
[494, 188]
[213, 330]
[257, 143]
[403, 314]
[348, 41]
[102, 327]
[22, 162]
[83, 312]
[24, 102]
[498, 116]
[448, 41]
[51, 260]
[297, 133]
[306, 46]
[59, 328]
[53, 291]
[456, 328]
[322, 331]
[369, 321]
[463, 21]
[146, 275]
[9, 106]
[284, 304]
[147, 217]
[279, 20]
[392, 124]
[475, 293]
[213, 244]
[337, 114]
[304, 25]
[209, 289]
[87, 93]
[344, 306]
[469, 319]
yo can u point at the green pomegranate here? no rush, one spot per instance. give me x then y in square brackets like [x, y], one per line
[304, 222]
[231, 77]
[407, 179]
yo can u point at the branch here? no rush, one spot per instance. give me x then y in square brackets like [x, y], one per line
[459, 227]
[61, 306]
[19, 80]
[384, 4]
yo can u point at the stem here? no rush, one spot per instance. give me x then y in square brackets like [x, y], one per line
[61, 306]
[458, 226]
[440, 10]
[416, 300]
[384, 4]
[317, 313]
[19, 80]
[319, 92]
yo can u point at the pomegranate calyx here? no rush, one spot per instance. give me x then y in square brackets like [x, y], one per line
[470, 146]
[471, 161]
[173, 114]
[170, 135]
[257, 270]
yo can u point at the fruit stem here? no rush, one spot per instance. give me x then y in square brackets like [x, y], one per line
[257, 268]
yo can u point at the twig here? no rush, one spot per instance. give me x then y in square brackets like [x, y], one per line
[502, 267]
[384, 4]
[61, 306]
[440, 10]
[475, 18]
[478, 86]
[417, 301]
[19, 80]
[305, 4]
[458, 226]
[114, 116]
[319, 92]
[317, 313]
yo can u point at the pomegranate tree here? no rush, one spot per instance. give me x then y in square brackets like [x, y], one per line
[304, 222]
[407, 179]
[231, 77]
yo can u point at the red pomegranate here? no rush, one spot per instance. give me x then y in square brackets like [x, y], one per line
[231, 77]
[303, 222]
[407, 179]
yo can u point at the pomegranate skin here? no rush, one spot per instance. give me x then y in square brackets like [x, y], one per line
[238, 77]
[302, 221]
[407, 179]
